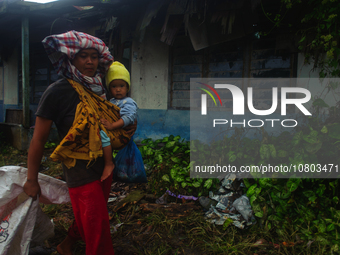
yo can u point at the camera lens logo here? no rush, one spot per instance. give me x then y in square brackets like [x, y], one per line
[238, 99]
[204, 98]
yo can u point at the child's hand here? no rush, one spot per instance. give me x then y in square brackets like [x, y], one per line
[108, 169]
[106, 124]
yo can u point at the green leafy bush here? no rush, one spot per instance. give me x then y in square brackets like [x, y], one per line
[49, 145]
[310, 205]
[168, 160]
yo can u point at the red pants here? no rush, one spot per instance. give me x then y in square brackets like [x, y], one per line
[91, 222]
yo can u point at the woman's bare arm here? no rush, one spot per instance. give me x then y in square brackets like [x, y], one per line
[35, 153]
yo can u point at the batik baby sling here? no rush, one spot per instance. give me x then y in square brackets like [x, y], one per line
[83, 139]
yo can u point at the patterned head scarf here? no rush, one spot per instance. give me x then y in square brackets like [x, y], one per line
[62, 48]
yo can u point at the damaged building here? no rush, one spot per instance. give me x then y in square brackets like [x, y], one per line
[163, 43]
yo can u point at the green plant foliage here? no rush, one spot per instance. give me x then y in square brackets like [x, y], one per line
[168, 160]
[309, 205]
[316, 22]
[49, 145]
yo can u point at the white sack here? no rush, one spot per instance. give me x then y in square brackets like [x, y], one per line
[22, 220]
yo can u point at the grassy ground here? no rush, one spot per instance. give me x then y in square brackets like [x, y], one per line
[160, 231]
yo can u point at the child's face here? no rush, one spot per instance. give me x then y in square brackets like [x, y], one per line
[118, 89]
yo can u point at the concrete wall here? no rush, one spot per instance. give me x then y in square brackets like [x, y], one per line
[158, 122]
[9, 85]
[150, 89]
[16, 135]
[149, 71]
[11, 79]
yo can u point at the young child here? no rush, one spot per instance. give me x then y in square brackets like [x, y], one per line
[118, 84]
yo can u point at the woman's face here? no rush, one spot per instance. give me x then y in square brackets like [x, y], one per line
[86, 61]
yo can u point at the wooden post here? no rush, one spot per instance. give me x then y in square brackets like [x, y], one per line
[25, 71]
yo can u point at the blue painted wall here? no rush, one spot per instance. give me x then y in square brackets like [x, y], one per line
[201, 127]
[156, 124]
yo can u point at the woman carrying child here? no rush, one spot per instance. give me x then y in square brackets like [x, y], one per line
[75, 104]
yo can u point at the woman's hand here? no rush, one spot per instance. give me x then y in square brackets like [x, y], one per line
[32, 189]
[131, 129]
[106, 124]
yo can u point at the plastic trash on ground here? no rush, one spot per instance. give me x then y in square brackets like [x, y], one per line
[231, 204]
[23, 223]
[113, 229]
[242, 205]
[163, 198]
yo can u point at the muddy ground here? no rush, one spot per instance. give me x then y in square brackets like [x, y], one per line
[141, 226]
[138, 224]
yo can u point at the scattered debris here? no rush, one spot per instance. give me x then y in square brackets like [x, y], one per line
[132, 198]
[162, 200]
[181, 196]
[207, 202]
[242, 205]
[260, 242]
[229, 203]
[115, 227]
[112, 199]
[288, 244]
[276, 246]
[309, 243]
[173, 210]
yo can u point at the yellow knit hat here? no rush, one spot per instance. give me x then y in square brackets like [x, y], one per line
[117, 71]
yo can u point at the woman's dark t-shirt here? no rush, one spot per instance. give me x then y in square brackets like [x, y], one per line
[59, 103]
